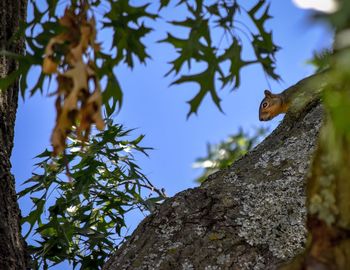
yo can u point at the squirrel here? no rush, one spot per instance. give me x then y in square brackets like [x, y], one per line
[273, 105]
[296, 97]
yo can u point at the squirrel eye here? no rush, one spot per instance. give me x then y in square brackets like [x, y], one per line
[264, 105]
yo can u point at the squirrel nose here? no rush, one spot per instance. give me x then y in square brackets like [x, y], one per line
[264, 118]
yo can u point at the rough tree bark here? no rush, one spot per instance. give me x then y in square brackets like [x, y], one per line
[12, 246]
[250, 216]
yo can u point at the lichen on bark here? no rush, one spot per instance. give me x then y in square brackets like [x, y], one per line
[249, 216]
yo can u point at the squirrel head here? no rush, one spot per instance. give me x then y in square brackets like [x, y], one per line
[270, 106]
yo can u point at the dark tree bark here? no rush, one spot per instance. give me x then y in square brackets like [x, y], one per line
[12, 246]
[250, 216]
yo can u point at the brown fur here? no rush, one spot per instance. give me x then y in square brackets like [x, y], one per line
[272, 105]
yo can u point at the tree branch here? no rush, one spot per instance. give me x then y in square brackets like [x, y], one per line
[249, 216]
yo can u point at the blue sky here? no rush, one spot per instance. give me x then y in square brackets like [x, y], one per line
[159, 111]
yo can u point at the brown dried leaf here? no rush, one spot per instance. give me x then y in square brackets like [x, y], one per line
[75, 105]
[79, 75]
[91, 112]
[65, 85]
[68, 19]
[49, 66]
[76, 53]
[58, 140]
[97, 47]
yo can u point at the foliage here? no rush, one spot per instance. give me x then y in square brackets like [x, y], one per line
[85, 214]
[328, 183]
[201, 24]
[321, 60]
[105, 184]
[329, 199]
[335, 135]
[222, 155]
[130, 24]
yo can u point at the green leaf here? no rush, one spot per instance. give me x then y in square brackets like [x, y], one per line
[127, 39]
[46, 153]
[321, 60]
[262, 43]
[112, 92]
[9, 79]
[34, 216]
[233, 55]
[205, 80]
[256, 8]
[163, 3]
[106, 185]
[223, 154]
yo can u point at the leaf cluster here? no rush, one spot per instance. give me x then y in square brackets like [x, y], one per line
[82, 220]
[222, 155]
[130, 25]
[321, 60]
[126, 22]
[223, 62]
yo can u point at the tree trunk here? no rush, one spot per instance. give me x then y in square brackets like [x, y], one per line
[250, 216]
[12, 246]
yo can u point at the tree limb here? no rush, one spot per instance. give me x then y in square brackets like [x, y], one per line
[249, 216]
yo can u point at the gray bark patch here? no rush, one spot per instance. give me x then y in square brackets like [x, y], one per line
[249, 216]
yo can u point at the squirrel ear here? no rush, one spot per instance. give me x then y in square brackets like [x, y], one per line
[268, 93]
